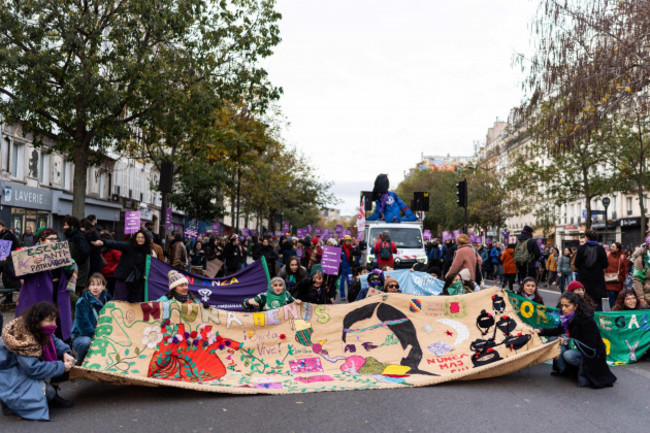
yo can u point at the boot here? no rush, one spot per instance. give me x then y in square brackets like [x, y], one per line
[59, 401]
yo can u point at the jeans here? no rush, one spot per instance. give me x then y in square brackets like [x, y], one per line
[565, 279]
[568, 357]
[612, 298]
[81, 345]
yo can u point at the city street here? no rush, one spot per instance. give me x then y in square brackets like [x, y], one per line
[530, 400]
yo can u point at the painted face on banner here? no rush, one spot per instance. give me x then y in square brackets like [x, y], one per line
[368, 338]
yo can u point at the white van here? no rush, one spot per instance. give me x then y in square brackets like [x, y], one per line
[407, 237]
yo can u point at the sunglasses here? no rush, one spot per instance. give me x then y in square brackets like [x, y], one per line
[52, 238]
[393, 286]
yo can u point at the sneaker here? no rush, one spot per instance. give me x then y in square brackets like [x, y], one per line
[59, 401]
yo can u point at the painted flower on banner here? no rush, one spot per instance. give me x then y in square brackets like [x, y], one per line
[152, 336]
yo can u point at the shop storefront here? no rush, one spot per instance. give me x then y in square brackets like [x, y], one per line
[630, 232]
[25, 206]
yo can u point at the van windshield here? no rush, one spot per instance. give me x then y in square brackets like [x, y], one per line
[403, 237]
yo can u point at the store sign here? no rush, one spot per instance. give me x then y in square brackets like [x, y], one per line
[629, 222]
[27, 197]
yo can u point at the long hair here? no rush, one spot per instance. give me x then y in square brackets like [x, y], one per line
[299, 274]
[448, 282]
[521, 292]
[583, 308]
[147, 247]
[620, 300]
[34, 315]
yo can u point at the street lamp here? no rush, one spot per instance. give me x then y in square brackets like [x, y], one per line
[606, 201]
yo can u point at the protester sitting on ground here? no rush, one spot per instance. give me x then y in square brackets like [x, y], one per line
[85, 319]
[32, 359]
[276, 296]
[579, 289]
[528, 289]
[453, 285]
[588, 361]
[627, 300]
[292, 274]
[391, 285]
[375, 281]
[179, 289]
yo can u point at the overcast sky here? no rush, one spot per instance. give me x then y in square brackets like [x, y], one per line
[371, 85]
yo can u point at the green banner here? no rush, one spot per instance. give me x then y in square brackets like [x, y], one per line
[625, 333]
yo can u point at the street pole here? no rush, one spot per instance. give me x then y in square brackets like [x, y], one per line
[606, 201]
[466, 200]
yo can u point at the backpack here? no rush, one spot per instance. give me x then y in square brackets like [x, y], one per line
[385, 251]
[522, 256]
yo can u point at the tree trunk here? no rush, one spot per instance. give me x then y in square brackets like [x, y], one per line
[588, 205]
[643, 218]
[163, 215]
[80, 182]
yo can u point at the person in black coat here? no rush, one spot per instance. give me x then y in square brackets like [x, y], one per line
[232, 255]
[591, 262]
[528, 269]
[131, 268]
[589, 360]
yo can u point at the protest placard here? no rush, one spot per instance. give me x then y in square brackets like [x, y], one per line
[5, 248]
[41, 258]
[131, 222]
[331, 260]
[212, 267]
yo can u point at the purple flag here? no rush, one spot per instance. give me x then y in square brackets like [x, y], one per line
[245, 232]
[225, 293]
[310, 228]
[319, 232]
[168, 222]
[285, 226]
[427, 234]
[455, 233]
[445, 236]
[331, 260]
[131, 222]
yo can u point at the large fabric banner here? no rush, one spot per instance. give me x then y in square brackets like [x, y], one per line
[625, 333]
[412, 282]
[386, 341]
[226, 293]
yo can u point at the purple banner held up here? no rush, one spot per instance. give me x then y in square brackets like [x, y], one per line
[131, 222]
[285, 226]
[245, 232]
[319, 232]
[331, 260]
[5, 249]
[225, 293]
[299, 252]
[310, 229]
[427, 234]
[455, 233]
[255, 232]
[446, 236]
[191, 233]
[168, 218]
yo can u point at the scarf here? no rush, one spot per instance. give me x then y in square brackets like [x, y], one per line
[531, 297]
[49, 351]
[564, 321]
[180, 298]
[19, 340]
[274, 301]
[591, 242]
[456, 289]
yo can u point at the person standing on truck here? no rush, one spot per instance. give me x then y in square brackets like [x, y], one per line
[384, 249]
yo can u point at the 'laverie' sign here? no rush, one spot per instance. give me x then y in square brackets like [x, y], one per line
[28, 197]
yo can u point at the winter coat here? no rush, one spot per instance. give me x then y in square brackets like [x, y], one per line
[564, 264]
[86, 312]
[28, 240]
[618, 263]
[264, 251]
[79, 246]
[465, 258]
[231, 256]
[509, 266]
[22, 378]
[130, 259]
[6, 235]
[178, 255]
[9, 279]
[381, 262]
[435, 255]
[551, 263]
[197, 258]
[495, 255]
[594, 371]
[641, 285]
[112, 257]
[286, 276]
[591, 261]
[95, 252]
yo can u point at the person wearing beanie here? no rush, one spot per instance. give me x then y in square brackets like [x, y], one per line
[391, 285]
[375, 281]
[179, 289]
[591, 262]
[526, 253]
[577, 288]
[465, 258]
[314, 253]
[276, 296]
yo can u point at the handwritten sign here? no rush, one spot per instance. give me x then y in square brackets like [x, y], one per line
[41, 258]
[131, 222]
[331, 260]
[212, 267]
[5, 249]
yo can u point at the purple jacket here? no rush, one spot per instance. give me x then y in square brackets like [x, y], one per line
[39, 287]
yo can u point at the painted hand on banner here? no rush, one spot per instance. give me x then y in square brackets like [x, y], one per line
[190, 356]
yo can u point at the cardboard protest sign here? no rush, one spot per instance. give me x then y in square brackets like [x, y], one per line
[41, 258]
[5, 248]
[331, 260]
[212, 267]
[385, 341]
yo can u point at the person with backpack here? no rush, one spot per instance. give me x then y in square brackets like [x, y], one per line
[466, 258]
[526, 254]
[591, 262]
[384, 249]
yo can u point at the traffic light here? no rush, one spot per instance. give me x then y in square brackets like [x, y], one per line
[461, 193]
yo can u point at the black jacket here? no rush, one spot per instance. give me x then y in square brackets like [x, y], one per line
[79, 246]
[591, 262]
[131, 258]
[594, 371]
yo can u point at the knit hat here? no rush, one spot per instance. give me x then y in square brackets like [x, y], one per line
[316, 269]
[464, 274]
[462, 239]
[527, 230]
[374, 277]
[176, 279]
[314, 240]
[574, 285]
[347, 238]
[40, 230]
[389, 280]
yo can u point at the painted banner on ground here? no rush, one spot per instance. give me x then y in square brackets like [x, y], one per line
[226, 293]
[625, 333]
[411, 282]
[387, 341]
[41, 258]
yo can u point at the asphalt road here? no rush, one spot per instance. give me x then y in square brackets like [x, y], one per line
[530, 400]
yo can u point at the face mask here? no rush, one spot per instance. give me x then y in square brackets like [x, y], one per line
[456, 288]
[49, 330]
[375, 283]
